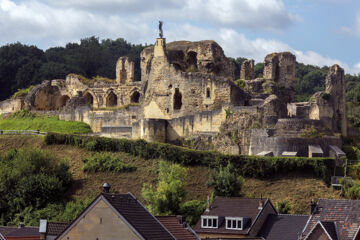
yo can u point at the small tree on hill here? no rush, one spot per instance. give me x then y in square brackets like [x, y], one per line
[226, 182]
[170, 191]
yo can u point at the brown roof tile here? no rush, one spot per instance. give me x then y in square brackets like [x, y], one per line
[20, 231]
[178, 230]
[231, 207]
[55, 228]
[344, 213]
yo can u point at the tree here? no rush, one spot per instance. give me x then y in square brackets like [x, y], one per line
[226, 182]
[283, 207]
[170, 191]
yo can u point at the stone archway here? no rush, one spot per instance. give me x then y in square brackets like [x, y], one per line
[135, 97]
[63, 100]
[177, 99]
[111, 99]
[89, 99]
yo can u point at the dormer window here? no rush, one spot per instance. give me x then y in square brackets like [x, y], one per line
[209, 222]
[234, 223]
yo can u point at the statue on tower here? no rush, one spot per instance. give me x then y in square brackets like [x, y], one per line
[160, 29]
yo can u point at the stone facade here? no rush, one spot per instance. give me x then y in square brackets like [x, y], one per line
[247, 70]
[187, 89]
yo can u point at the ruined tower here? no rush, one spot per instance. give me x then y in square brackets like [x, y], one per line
[124, 70]
[247, 70]
[335, 86]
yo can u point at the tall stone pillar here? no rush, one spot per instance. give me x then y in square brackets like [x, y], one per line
[335, 86]
[247, 70]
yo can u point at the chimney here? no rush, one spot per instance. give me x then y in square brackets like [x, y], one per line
[208, 204]
[181, 219]
[313, 206]
[261, 204]
[106, 188]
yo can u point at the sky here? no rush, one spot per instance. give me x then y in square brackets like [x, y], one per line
[318, 32]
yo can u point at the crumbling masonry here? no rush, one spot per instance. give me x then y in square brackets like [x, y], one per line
[187, 93]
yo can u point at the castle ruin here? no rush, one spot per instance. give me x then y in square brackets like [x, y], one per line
[188, 91]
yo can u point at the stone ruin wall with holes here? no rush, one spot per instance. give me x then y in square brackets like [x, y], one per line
[188, 95]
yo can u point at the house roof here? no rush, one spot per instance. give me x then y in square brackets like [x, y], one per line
[55, 228]
[133, 212]
[19, 231]
[344, 215]
[283, 226]
[232, 207]
[181, 231]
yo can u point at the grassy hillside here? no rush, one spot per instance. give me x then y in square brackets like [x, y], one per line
[296, 188]
[24, 120]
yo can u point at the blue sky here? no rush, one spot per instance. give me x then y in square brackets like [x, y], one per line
[319, 32]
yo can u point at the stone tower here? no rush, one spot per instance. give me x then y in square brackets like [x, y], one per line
[335, 86]
[247, 70]
[124, 70]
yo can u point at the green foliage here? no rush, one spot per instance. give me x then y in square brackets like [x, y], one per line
[104, 162]
[247, 166]
[309, 79]
[311, 132]
[193, 210]
[228, 113]
[22, 92]
[170, 191]
[283, 207]
[240, 83]
[351, 151]
[25, 120]
[192, 68]
[226, 182]
[29, 180]
[351, 188]
[259, 70]
[22, 66]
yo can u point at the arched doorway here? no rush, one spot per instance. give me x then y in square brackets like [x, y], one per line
[177, 99]
[111, 100]
[89, 99]
[63, 100]
[135, 97]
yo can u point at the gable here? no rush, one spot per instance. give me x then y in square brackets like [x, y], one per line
[318, 233]
[101, 222]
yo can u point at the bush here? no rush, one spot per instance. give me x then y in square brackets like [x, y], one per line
[30, 178]
[193, 210]
[226, 182]
[170, 191]
[106, 163]
[247, 166]
[283, 207]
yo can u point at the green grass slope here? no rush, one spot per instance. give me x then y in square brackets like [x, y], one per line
[24, 120]
[298, 188]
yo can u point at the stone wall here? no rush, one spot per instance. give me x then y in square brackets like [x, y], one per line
[124, 70]
[247, 70]
[11, 105]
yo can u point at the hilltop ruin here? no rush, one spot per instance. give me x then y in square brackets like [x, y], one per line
[188, 93]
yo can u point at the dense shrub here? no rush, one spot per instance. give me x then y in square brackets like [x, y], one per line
[30, 179]
[193, 210]
[247, 166]
[106, 163]
[226, 182]
[283, 207]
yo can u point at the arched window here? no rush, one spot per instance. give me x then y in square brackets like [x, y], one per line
[177, 99]
[208, 93]
[135, 97]
[89, 99]
[111, 100]
[63, 100]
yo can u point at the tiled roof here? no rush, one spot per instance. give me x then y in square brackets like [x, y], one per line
[283, 227]
[344, 213]
[231, 207]
[137, 215]
[178, 230]
[20, 231]
[55, 228]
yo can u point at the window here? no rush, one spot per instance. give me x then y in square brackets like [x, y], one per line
[209, 222]
[234, 223]
[208, 95]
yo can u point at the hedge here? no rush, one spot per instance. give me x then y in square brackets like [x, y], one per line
[248, 166]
